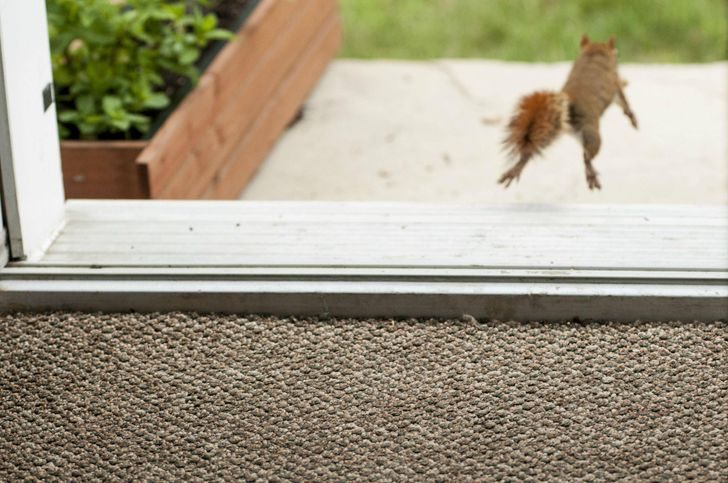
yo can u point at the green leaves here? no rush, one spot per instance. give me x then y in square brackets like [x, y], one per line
[85, 104]
[111, 105]
[111, 60]
[188, 55]
[157, 101]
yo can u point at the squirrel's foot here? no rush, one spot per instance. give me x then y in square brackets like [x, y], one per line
[592, 179]
[512, 174]
[632, 119]
[507, 179]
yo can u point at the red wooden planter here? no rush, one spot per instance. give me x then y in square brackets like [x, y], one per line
[215, 140]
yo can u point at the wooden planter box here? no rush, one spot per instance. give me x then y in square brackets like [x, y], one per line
[211, 145]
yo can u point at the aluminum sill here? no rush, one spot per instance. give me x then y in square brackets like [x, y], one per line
[521, 262]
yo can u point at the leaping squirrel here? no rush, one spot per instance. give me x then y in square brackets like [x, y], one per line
[541, 117]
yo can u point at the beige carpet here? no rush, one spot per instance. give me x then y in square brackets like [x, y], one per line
[186, 397]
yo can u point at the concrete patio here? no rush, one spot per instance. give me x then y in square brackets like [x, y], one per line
[431, 131]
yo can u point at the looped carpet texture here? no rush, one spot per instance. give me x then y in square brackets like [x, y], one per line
[194, 397]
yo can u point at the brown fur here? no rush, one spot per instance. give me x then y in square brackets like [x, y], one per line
[537, 122]
[592, 86]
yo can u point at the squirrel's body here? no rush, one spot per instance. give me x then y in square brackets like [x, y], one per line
[541, 117]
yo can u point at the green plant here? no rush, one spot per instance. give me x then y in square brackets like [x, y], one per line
[112, 60]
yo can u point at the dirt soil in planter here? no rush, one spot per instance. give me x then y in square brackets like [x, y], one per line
[229, 11]
[177, 87]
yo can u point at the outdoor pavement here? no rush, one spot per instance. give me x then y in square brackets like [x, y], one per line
[432, 131]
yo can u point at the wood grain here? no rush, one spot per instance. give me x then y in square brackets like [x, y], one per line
[251, 151]
[103, 170]
[242, 106]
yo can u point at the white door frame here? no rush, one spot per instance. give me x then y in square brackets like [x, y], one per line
[33, 197]
[14, 241]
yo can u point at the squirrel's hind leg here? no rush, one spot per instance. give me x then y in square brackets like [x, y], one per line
[514, 172]
[591, 141]
[621, 100]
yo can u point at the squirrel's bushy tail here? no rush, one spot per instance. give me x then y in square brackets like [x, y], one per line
[539, 119]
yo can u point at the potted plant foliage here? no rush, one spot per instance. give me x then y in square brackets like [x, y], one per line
[180, 99]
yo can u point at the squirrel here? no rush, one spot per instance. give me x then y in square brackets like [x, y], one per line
[541, 117]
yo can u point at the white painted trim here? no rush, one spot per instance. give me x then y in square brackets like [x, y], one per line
[428, 298]
[9, 198]
[377, 263]
[4, 249]
[30, 146]
[389, 235]
[30, 271]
